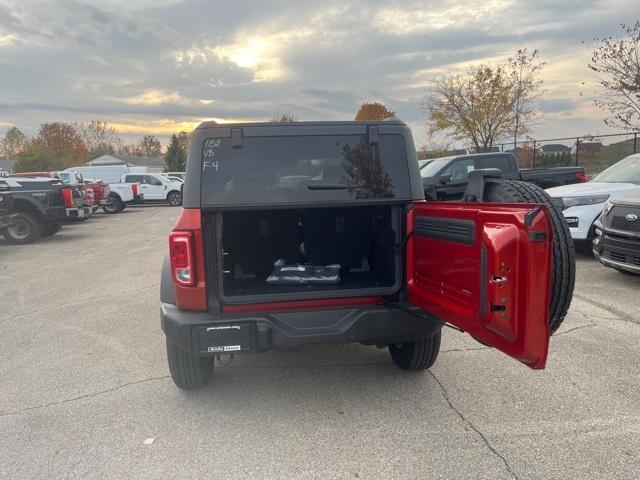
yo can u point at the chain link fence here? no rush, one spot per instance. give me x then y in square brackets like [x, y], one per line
[593, 152]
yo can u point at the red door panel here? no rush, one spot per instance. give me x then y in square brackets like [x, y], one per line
[484, 268]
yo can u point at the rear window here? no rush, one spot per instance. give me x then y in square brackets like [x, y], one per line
[303, 169]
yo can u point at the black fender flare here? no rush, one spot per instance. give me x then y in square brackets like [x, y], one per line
[29, 204]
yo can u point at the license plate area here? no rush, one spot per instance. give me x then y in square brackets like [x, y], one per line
[224, 338]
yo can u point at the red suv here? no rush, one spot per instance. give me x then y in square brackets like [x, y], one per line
[293, 234]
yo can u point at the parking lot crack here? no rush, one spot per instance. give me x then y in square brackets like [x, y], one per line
[580, 327]
[445, 394]
[82, 397]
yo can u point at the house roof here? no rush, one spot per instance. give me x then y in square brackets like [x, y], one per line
[106, 160]
[151, 162]
[555, 147]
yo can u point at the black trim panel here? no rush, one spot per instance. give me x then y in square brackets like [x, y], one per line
[451, 229]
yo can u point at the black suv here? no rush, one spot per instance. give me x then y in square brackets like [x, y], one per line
[617, 240]
[310, 232]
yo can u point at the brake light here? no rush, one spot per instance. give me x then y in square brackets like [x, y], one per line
[67, 197]
[186, 253]
[181, 252]
[581, 176]
[134, 188]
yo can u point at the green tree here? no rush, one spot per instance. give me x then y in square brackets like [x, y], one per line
[175, 159]
[13, 142]
[149, 146]
[374, 111]
[616, 64]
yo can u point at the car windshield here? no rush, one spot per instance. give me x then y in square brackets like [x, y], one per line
[625, 171]
[431, 169]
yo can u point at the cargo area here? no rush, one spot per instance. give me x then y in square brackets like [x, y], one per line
[271, 252]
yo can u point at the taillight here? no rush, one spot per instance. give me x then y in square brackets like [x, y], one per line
[181, 252]
[134, 188]
[581, 176]
[186, 252]
[67, 197]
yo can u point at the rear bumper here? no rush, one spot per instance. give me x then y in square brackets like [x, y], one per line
[77, 212]
[618, 250]
[205, 333]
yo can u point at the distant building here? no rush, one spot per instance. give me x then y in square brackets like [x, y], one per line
[152, 164]
[555, 148]
[588, 148]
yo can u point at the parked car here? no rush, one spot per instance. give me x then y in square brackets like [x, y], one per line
[40, 206]
[74, 180]
[121, 195]
[112, 195]
[101, 192]
[283, 241]
[179, 175]
[617, 235]
[7, 214]
[583, 203]
[156, 186]
[108, 173]
[446, 178]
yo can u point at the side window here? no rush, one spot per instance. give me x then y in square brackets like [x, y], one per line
[459, 170]
[133, 178]
[501, 162]
[148, 179]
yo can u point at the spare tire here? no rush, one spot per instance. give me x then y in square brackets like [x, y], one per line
[563, 262]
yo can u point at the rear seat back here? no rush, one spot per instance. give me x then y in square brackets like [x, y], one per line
[254, 240]
[341, 236]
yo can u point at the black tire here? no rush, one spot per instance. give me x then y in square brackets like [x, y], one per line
[27, 228]
[124, 205]
[49, 229]
[188, 371]
[417, 354]
[563, 263]
[114, 205]
[174, 198]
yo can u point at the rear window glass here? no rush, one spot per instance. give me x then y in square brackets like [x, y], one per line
[303, 169]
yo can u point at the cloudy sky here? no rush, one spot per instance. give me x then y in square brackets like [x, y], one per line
[160, 66]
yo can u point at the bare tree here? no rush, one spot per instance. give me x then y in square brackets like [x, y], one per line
[149, 146]
[475, 106]
[525, 69]
[100, 138]
[616, 64]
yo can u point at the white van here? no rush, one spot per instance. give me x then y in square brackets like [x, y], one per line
[107, 173]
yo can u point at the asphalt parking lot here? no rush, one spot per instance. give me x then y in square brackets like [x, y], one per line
[85, 392]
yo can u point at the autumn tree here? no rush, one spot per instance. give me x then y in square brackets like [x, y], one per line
[475, 106]
[616, 65]
[57, 146]
[100, 138]
[183, 138]
[175, 159]
[524, 71]
[13, 142]
[149, 146]
[283, 118]
[374, 111]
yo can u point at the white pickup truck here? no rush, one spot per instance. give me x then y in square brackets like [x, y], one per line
[157, 187]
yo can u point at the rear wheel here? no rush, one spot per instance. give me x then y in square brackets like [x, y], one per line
[417, 354]
[27, 228]
[563, 263]
[49, 229]
[114, 205]
[174, 199]
[188, 371]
